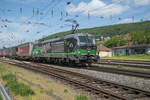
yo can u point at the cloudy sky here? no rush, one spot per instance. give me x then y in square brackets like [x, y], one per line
[30, 20]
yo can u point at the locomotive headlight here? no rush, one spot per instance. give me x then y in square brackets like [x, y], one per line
[88, 51]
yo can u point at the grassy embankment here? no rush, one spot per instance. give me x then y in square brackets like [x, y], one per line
[143, 57]
[40, 84]
[16, 87]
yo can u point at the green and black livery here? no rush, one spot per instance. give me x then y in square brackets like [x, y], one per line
[74, 48]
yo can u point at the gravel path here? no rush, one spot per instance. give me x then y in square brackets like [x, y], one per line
[135, 82]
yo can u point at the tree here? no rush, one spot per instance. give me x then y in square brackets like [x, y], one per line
[140, 37]
[115, 41]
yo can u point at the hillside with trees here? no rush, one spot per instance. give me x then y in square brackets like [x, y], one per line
[115, 41]
[109, 31]
[137, 37]
[140, 37]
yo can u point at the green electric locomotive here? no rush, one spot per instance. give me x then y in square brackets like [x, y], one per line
[78, 48]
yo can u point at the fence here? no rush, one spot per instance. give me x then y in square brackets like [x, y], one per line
[4, 95]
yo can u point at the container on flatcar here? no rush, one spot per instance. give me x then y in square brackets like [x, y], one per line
[1, 52]
[8, 52]
[13, 51]
[25, 49]
[4, 52]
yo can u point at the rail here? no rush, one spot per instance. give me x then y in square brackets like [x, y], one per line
[134, 73]
[95, 86]
[128, 63]
[4, 95]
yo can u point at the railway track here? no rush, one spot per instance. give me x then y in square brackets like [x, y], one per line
[101, 88]
[129, 63]
[121, 71]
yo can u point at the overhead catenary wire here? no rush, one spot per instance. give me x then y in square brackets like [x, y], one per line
[37, 12]
[50, 8]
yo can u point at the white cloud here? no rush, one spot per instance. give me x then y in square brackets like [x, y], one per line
[20, 27]
[16, 31]
[122, 1]
[98, 8]
[8, 39]
[27, 1]
[127, 20]
[142, 2]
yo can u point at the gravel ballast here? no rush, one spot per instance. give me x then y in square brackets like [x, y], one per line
[135, 82]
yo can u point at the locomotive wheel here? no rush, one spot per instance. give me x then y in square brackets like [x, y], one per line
[71, 63]
[83, 65]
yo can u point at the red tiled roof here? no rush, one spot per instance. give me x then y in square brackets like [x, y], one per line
[103, 48]
[120, 47]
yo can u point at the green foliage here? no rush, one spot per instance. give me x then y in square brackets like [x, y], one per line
[0, 98]
[2, 69]
[115, 41]
[9, 77]
[119, 66]
[118, 54]
[140, 37]
[65, 90]
[99, 42]
[48, 81]
[81, 97]
[41, 91]
[51, 90]
[108, 31]
[17, 87]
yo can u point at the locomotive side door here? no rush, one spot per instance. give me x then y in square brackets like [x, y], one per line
[70, 45]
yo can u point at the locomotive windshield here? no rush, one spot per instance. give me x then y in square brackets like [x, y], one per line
[86, 40]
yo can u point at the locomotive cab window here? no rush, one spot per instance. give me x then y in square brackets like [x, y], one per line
[86, 40]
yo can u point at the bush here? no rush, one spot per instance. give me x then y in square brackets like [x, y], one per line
[48, 81]
[0, 98]
[65, 90]
[115, 41]
[17, 87]
[41, 91]
[118, 54]
[9, 77]
[51, 90]
[81, 97]
[119, 66]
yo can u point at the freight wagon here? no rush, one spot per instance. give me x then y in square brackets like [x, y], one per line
[13, 52]
[23, 51]
[5, 52]
[0, 52]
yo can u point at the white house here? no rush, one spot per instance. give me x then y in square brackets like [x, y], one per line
[104, 51]
[131, 49]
